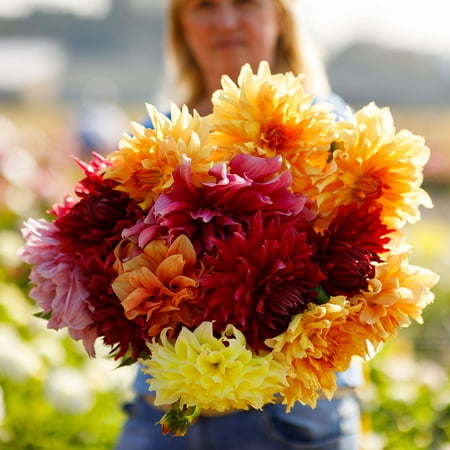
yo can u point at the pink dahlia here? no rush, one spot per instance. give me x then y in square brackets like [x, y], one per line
[226, 205]
[59, 282]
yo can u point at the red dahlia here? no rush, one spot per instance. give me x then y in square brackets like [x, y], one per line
[259, 280]
[92, 228]
[354, 240]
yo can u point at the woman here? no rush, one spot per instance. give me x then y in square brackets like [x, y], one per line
[205, 39]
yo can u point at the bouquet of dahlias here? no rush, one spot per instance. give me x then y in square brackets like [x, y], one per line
[244, 257]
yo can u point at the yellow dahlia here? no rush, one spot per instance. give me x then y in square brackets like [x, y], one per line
[158, 283]
[317, 343]
[268, 115]
[398, 293]
[144, 163]
[376, 164]
[215, 373]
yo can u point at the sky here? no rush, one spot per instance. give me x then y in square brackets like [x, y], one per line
[421, 25]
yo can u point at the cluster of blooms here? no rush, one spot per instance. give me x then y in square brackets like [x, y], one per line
[242, 257]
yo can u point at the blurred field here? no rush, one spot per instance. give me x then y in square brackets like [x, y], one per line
[407, 395]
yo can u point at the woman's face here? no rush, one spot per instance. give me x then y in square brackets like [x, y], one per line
[225, 34]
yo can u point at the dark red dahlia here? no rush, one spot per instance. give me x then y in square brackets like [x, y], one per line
[354, 240]
[91, 229]
[259, 280]
[94, 182]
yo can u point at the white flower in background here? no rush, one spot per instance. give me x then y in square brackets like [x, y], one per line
[18, 360]
[20, 199]
[67, 390]
[37, 326]
[441, 400]
[19, 167]
[401, 367]
[104, 373]
[10, 243]
[373, 441]
[122, 381]
[49, 348]
[16, 304]
[403, 391]
[432, 375]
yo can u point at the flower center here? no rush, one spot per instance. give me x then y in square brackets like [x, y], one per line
[150, 176]
[275, 136]
[367, 188]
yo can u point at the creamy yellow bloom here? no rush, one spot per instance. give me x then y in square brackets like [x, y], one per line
[270, 114]
[215, 373]
[317, 343]
[144, 163]
[379, 165]
[398, 293]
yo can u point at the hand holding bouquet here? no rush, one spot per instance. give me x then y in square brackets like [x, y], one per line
[241, 257]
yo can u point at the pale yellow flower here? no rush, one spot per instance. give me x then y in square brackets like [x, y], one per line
[215, 373]
[144, 163]
[376, 164]
[270, 114]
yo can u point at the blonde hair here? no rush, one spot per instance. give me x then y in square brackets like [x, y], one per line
[294, 52]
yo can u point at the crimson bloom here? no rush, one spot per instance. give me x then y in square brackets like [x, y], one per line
[347, 249]
[84, 235]
[95, 225]
[259, 280]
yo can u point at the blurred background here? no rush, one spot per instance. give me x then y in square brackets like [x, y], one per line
[74, 73]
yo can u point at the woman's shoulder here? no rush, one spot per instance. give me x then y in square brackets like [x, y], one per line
[341, 108]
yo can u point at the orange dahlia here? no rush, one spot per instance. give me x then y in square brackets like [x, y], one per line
[268, 115]
[377, 165]
[158, 283]
[398, 293]
[144, 163]
[317, 343]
